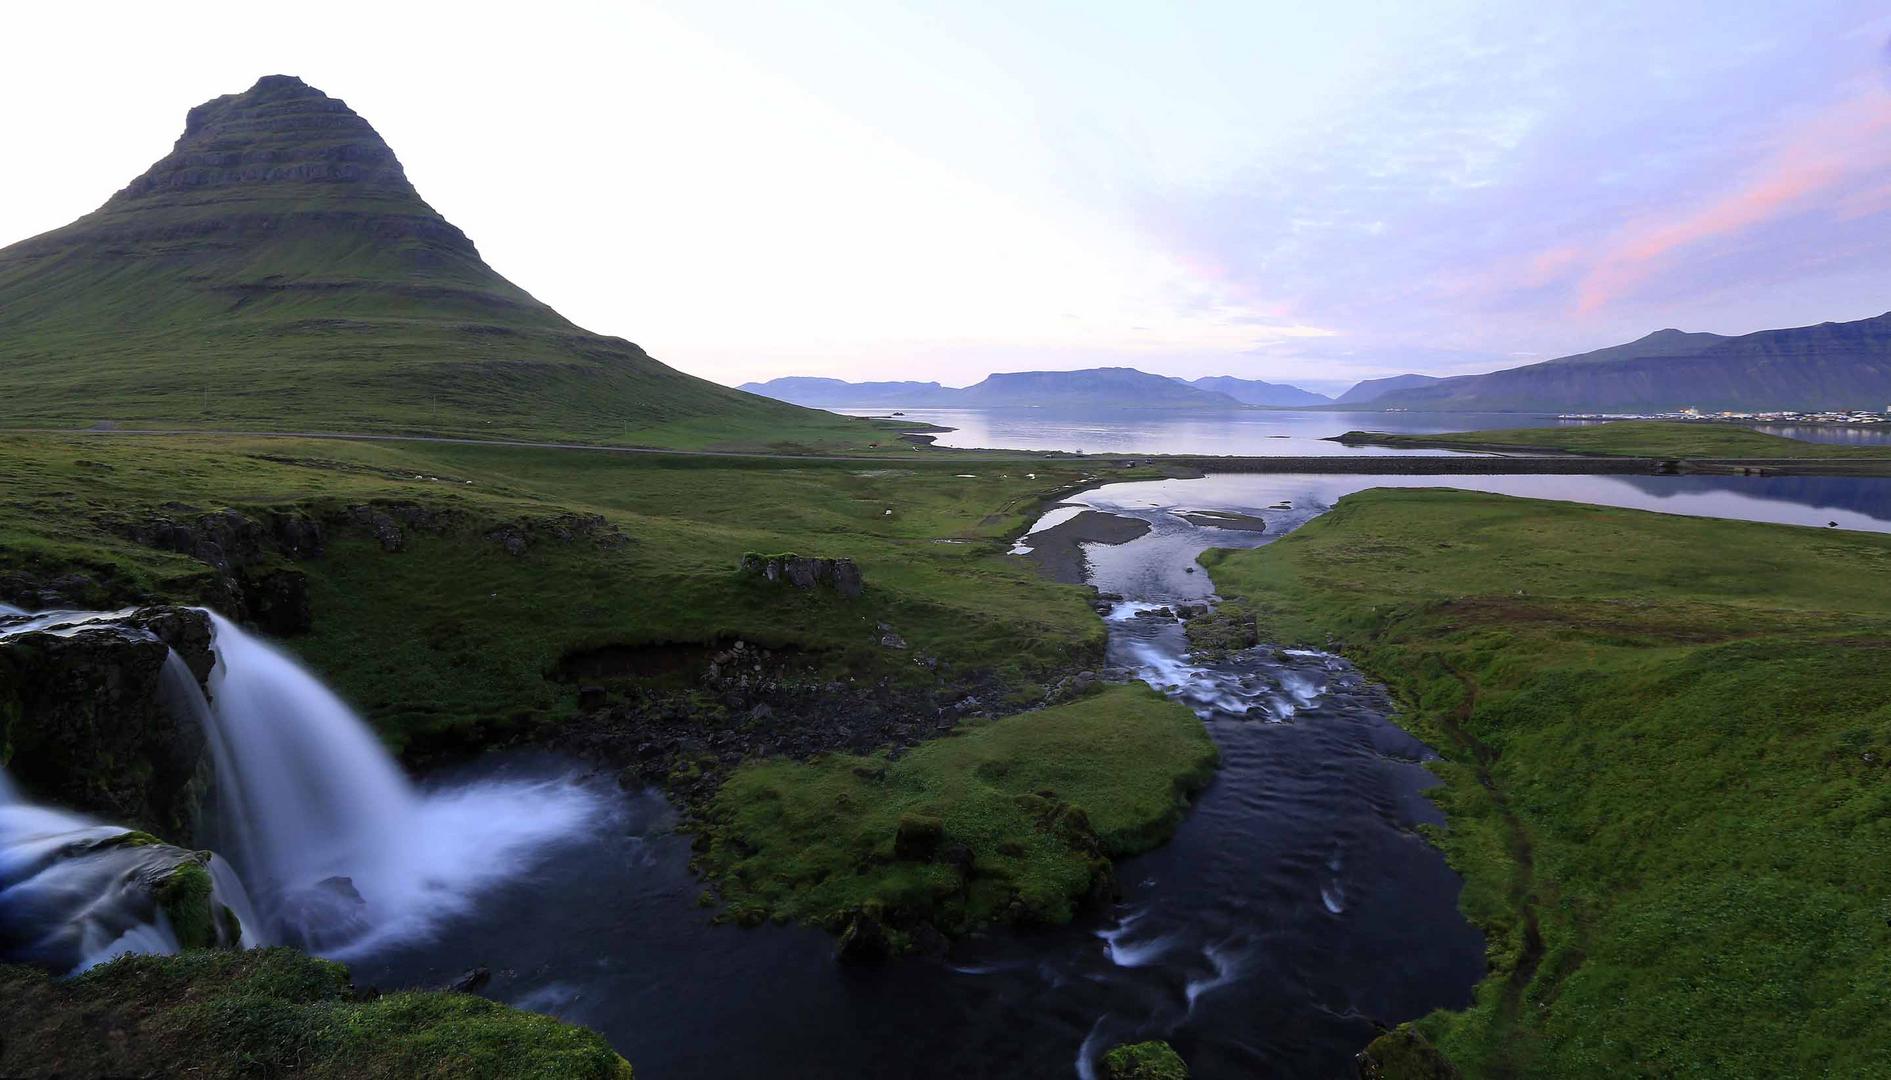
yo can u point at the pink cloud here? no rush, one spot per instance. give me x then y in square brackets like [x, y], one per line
[1814, 167]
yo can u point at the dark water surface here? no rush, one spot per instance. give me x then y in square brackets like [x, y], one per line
[1294, 910]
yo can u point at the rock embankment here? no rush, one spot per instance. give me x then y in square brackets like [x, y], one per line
[85, 715]
[803, 572]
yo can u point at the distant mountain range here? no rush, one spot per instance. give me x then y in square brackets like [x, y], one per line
[1256, 392]
[1118, 388]
[1834, 365]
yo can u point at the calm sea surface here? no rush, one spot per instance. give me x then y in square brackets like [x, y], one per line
[1247, 432]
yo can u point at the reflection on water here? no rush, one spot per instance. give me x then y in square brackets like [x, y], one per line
[1862, 503]
[1840, 434]
[1245, 432]
[1256, 432]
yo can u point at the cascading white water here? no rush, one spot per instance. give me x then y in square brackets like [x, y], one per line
[329, 845]
[339, 851]
[73, 894]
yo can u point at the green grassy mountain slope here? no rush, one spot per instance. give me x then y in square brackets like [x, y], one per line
[278, 270]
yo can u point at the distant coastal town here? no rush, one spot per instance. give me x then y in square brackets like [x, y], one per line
[1777, 416]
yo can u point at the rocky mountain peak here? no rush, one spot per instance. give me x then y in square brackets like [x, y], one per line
[280, 132]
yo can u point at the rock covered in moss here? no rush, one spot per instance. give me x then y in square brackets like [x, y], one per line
[917, 836]
[1404, 1054]
[1155, 1060]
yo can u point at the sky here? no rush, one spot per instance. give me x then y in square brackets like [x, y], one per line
[1297, 192]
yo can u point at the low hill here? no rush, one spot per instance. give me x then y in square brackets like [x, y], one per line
[1256, 392]
[277, 270]
[1834, 365]
[1374, 389]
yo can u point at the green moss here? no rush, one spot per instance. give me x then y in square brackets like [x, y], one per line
[185, 898]
[1013, 819]
[1404, 1054]
[1667, 768]
[1144, 1061]
[274, 1012]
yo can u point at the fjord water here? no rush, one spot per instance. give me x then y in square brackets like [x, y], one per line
[1249, 432]
[1241, 432]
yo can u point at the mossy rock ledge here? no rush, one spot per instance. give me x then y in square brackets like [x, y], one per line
[1155, 1060]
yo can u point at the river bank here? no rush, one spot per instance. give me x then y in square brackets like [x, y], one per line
[1601, 681]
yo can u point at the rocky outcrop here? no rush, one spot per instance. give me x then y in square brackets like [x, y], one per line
[518, 537]
[246, 554]
[803, 572]
[86, 724]
[1403, 1054]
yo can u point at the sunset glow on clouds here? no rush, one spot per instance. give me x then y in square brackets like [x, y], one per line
[871, 190]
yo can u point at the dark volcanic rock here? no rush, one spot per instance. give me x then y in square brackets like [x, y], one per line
[863, 941]
[86, 719]
[804, 572]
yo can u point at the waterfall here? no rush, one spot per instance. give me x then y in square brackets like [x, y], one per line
[340, 852]
[328, 845]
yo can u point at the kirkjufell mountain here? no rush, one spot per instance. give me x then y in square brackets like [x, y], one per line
[277, 270]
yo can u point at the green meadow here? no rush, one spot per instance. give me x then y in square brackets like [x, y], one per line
[1667, 766]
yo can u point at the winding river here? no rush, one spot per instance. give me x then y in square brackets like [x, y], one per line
[1295, 909]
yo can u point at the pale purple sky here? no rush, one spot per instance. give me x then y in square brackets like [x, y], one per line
[1309, 193]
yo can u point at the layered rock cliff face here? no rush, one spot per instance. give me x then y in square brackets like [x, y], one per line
[88, 723]
[278, 270]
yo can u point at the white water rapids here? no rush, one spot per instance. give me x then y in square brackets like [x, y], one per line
[327, 843]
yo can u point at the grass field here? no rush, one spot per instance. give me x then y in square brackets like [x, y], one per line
[1035, 803]
[1667, 761]
[274, 1012]
[455, 632]
[1666, 439]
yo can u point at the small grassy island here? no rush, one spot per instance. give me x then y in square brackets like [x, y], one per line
[1667, 768]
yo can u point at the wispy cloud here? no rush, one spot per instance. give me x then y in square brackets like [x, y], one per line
[1818, 167]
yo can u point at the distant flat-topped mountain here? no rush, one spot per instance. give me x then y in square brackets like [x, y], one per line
[839, 394]
[1110, 388]
[278, 270]
[1834, 365]
[1256, 392]
[1374, 389]
[1124, 388]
